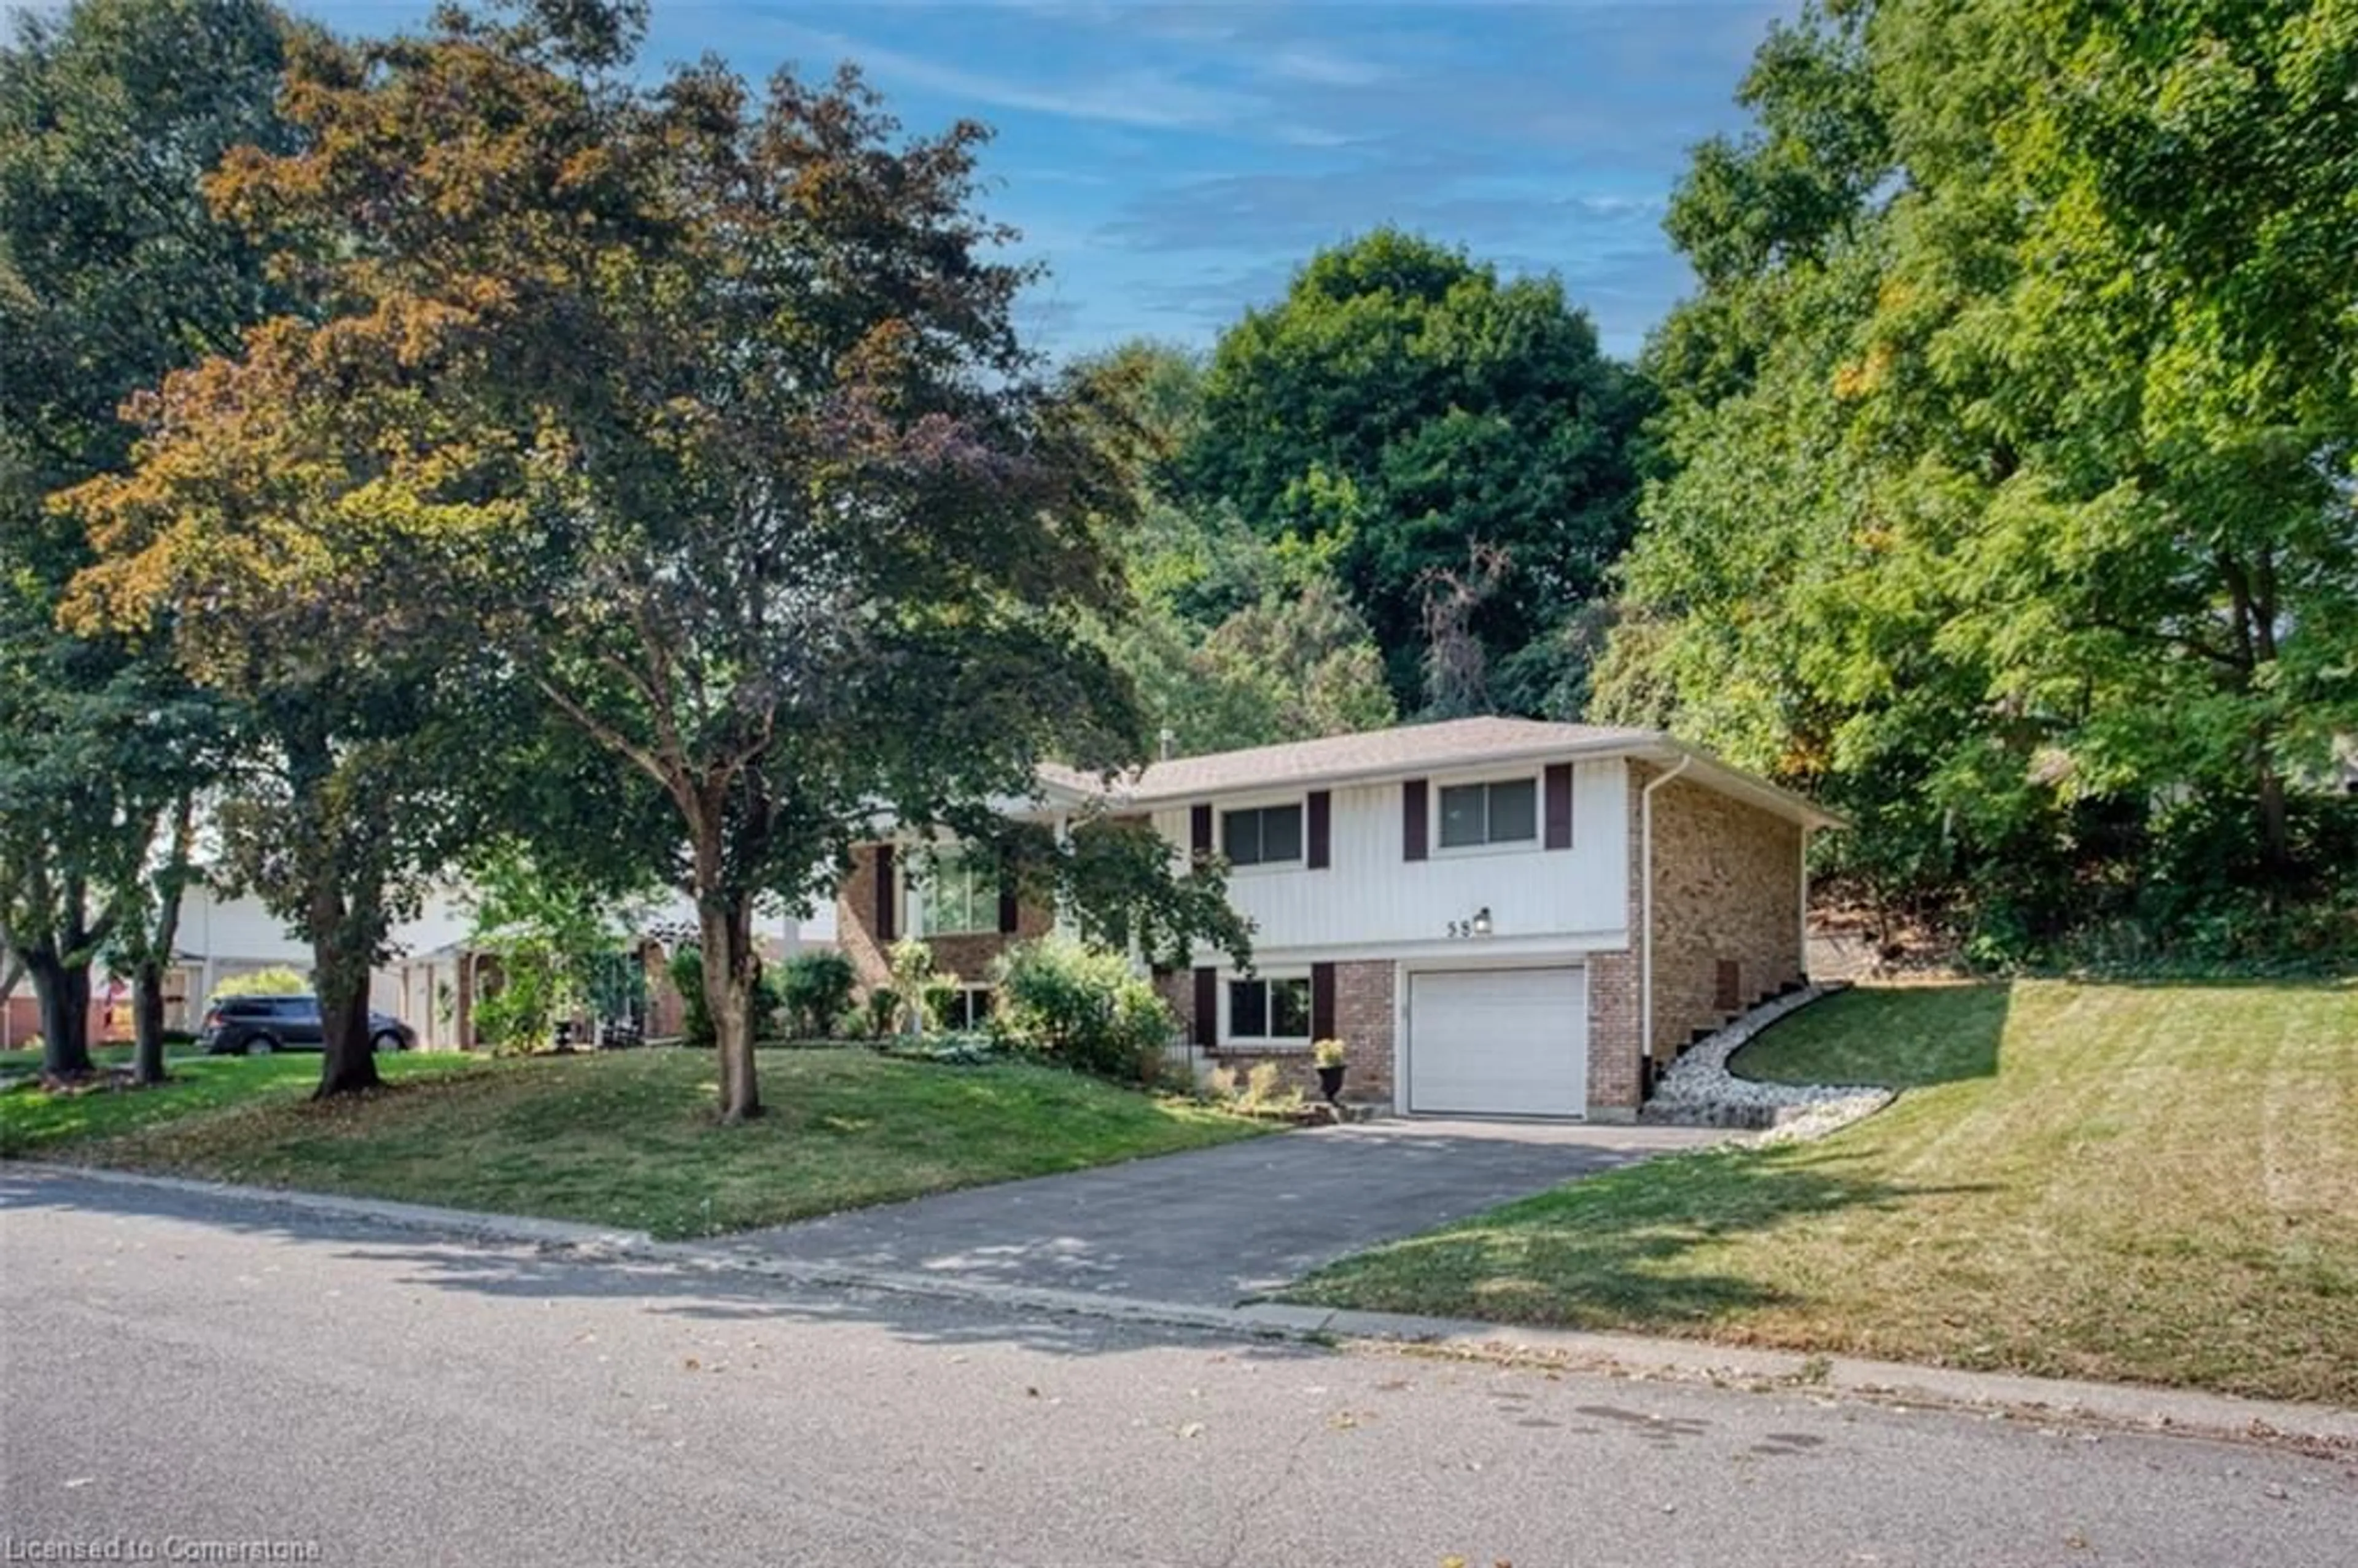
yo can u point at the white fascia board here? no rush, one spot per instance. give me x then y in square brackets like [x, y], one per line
[1438, 953]
[1709, 770]
[1706, 769]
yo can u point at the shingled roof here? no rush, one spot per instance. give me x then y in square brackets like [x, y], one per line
[1457, 743]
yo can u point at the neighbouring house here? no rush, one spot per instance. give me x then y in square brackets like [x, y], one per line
[441, 974]
[432, 982]
[1498, 916]
[220, 938]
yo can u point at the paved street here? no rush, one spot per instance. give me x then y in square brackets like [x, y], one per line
[206, 1370]
[1214, 1226]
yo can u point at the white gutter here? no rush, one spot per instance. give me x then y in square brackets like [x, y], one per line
[1124, 794]
[1801, 875]
[1646, 909]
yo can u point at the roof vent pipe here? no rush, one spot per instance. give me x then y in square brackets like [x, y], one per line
[1169, 741]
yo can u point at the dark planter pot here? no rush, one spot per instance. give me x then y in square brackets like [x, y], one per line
[1330, 1083]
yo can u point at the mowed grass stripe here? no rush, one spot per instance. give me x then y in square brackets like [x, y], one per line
[2154, 1183]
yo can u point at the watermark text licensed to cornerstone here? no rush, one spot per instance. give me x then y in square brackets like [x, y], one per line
[154, 1549]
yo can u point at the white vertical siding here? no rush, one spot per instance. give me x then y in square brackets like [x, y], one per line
[1372, 897]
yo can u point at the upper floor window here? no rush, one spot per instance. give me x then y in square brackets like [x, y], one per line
[958, 894]
[1505, 811]
[1261, 835]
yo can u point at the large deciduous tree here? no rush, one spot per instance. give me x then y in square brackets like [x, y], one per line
[317, 536]
[703, 406]
[1236, 639]
[111, 271]
[2014, 437]
[1408, 406]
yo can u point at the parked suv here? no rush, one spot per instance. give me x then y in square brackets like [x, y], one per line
[257, 1025]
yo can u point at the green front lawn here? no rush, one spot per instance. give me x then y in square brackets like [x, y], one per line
[33, 1122]
[2147, 1183]
[627, 1138]
[20, 1063]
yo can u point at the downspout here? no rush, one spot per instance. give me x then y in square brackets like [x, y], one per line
[1801, 934]
[1060, 923]
[1646, 922]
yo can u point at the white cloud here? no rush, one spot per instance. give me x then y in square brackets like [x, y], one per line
[1141, 96]
[1300, 62]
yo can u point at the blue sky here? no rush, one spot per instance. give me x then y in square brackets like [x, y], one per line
[1173, 163]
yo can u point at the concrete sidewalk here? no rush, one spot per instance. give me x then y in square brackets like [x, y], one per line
[2328, 1427]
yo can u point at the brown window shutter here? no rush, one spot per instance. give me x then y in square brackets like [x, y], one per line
[1208, 1008]
[1322, 1001]
[1322, 808]
[1415, 838]
[885, 930]
[1010, 912]
[1199, 830]
[1559, 805]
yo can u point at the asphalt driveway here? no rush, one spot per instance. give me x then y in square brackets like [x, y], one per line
[1213, 1227]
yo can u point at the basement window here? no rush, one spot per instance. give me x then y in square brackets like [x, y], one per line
[969, 1009]
[1269, 1010]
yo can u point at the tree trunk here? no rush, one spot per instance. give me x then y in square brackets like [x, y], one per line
[147, 976]
[64, 992]
[347, 1065]
[147, 1022]
[2276, 826]
[727, 924]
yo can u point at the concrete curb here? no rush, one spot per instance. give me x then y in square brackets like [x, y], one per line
[462, 1222]
[2130, 1406]
[1895, 1383]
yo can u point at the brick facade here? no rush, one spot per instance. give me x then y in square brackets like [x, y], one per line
[1726, 892]
[1365, 1006]
[1615, 1081]
[968, 956]
[1615, 1071]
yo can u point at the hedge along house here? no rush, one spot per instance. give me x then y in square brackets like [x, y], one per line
[1498, 916]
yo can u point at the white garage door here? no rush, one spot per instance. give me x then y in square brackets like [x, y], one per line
[1498, 1041]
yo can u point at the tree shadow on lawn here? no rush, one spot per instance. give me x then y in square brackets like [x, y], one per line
[1898, 1037]
[1623, 1250]
[683, 1289]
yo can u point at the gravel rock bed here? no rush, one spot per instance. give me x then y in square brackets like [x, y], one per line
[1699, 1091]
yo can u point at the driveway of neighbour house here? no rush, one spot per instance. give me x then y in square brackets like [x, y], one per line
[1212, 1226]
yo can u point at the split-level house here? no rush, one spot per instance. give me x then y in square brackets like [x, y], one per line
[1497, 917]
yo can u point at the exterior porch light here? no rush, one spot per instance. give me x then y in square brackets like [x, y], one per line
[1482, 921]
